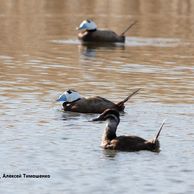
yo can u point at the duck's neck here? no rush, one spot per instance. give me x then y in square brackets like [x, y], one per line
[110, 130]
[66, 103]
[91, 30]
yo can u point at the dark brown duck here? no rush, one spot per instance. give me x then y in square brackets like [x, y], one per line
[90, 33]
[72, 101]
[124, 143]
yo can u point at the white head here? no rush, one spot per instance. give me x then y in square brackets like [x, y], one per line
[87, 25]
[69, 96]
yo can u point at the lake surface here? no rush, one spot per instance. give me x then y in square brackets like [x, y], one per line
[40, 57]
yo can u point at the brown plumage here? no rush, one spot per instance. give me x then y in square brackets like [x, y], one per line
[95, 104]
[124, 143]
[100, 36]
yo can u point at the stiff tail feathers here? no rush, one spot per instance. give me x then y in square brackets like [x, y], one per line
[120, 104]
[130, 26]
[157, 136]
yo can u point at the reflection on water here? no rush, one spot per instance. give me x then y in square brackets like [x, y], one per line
[40, 57]
[130, 41]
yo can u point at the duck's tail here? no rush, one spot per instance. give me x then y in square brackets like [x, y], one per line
[120, 105]
[130, 26]
[157, 136]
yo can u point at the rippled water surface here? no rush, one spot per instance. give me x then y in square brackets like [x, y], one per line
[40, 57]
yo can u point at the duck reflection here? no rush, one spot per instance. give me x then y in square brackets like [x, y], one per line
[110, 153]
[90, 49]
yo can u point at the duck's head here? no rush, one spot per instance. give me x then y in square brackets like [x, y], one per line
[69, 96]
[87, 25]
[108, 114]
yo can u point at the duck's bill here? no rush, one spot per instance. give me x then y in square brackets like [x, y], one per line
[62, 98]
[99, 118]
[83, 27]
[96, 119]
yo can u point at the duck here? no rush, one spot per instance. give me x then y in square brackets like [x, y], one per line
[129, 143]
[90, 33]
[74, 102]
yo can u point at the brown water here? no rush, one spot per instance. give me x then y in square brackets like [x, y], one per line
[40, 57]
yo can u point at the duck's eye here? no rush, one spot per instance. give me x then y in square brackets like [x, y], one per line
[69, 91]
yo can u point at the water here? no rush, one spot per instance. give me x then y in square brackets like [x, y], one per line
[40, 57]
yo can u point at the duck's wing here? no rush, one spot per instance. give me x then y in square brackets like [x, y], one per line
[104, 36]
[99, 99]
[99, 103]
[94, 104]
[131, 139]
[128, 143]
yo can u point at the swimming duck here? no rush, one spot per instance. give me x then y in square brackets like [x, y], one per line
[92, 34]
[124, 143]
[72, 101]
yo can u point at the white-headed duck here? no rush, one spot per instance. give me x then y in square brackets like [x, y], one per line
[72, 101]
[124, 143]
[90, 33]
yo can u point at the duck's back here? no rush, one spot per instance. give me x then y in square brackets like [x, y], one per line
[94, 104]
[132, 143]
[128, 143]
[100, 36]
